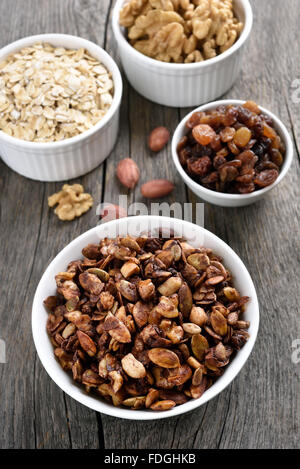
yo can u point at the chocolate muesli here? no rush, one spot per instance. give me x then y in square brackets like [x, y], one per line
[146, 322]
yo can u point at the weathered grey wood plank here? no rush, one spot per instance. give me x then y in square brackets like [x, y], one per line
[34, 412]
[261, 408]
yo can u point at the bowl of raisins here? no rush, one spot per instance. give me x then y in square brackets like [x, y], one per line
[232, 153]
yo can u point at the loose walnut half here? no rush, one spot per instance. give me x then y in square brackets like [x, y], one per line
[146, 322]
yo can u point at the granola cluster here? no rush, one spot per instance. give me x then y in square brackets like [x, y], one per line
[146, 322]
[50, 93]
[181, 30]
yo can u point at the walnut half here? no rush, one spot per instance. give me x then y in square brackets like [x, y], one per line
[71, 202]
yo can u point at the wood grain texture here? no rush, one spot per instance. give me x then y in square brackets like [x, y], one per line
[261, 408]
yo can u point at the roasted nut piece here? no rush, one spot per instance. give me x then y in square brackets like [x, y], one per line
[158, 138]
[199, 261]
[218, 323]
[128, 290]
[191, 328]
[116, 329]
[199, 346]
[87, 343]
[170, 286]
[146, 289]
[164, 358]
[129, 268]
[128, 173]
[152, 396]
[133, 367]
[140, 313]
[185, 300]
[167, 308]
[198, 316]
[163, 405]
[146, 342]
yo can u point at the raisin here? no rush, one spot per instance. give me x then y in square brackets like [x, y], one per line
[243, 114]
[200, 166]
[268, 131]
[276, 157]
[230, 116]
[248, 159]
[242, 137]
[233, 148]
[211, 178]
[216, 143]
[227, 134]
[246, 177]
[184, 155]
[228, 173]
[266, 178]
[224, 152]
[252, 106]
[203, 134]
[219, 161]
[194, 120]
[182, 143]
[245, 188]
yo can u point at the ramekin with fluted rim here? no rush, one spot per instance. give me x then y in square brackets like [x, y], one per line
[231, 200]
[134, 226]
[73, 157]
[183, 85]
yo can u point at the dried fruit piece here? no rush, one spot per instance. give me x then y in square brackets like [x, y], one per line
[266, 178]
[203, 134]
[158, 138]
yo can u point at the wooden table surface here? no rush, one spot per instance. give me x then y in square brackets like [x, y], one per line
[261, 408]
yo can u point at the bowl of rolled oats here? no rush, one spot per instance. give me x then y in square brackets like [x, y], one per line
[145, 317]
[59, 106]
[182, 53]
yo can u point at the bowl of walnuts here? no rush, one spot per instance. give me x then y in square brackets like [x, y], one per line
[145, 317]
[182, 53]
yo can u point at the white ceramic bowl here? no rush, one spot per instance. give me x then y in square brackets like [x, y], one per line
[135, 225]
[231, 200]
[73, 157]
[183, 85]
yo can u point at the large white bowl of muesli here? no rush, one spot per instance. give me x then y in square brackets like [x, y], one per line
[59, 106]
